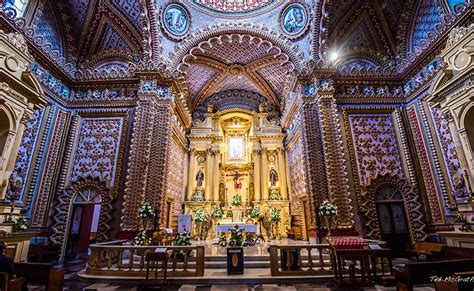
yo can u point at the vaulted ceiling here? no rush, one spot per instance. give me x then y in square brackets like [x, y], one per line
[371, 36]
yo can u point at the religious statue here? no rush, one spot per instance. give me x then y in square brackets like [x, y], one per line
[200, 177]
[237, 183]
[273, 177]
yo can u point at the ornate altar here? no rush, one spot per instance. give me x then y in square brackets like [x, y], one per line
[236, 163]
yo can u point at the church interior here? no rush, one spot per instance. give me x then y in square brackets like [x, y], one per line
[236, 145]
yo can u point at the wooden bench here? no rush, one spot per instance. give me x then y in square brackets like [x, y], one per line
[425, 248]
[417, 273]
[41, 274]
[7, 284]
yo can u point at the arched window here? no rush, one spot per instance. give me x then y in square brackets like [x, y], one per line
[88, 196]
[15, 8]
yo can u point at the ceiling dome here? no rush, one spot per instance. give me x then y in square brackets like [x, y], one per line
[233, 6]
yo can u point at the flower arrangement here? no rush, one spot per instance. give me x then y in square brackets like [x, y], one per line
[237, 200]
[183, 239]
[217, 212]
[222, 240]
[198, 197]
[21, 224]
[249, 240]
[327, 209]
[236, 237]
[146, 211]
[255, 213]
[229, 213]
[275, 216]
[142, 238]
[200, 216]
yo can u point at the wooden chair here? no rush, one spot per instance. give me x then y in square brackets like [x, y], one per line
[42, 274]
[157, 263]
[8, 284]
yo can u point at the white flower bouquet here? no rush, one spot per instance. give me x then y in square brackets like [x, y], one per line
[327, 209]
[146, 211]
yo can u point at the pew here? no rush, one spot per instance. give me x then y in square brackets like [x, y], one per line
[424, 247]
[41, 274]
[7, 284]
[446, 262]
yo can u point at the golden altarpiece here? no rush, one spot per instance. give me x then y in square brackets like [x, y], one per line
[237, 154]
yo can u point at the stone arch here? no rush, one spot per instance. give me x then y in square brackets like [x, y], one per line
[63, 209]
[273, 37]
[413, 207]
[8, 124]
[466, 123]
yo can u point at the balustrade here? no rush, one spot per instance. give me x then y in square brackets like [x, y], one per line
[117, 258]
[301, 260]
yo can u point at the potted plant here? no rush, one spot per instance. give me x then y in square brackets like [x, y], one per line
[217, 212]
[327, 210]
[235, 252]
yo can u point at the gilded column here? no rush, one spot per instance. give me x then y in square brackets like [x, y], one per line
[264, 175]
[209, 175]
[191, 174]
[282, 173]
[216, 176]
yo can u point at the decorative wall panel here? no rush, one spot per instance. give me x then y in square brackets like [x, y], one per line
[378, 161]
[425, 165]
[448, 147]
[97, 148]
[51, 162]
[375, 145]
[297, 175]
[174, 181]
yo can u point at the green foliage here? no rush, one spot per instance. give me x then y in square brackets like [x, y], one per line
[142, 238]
[275, 216]
[256, 213]
[222, 240]
[217, 212]
[237, 200]
[200, 216]
[327, 209]
[236, 237]
[183, 239]
[146, 211]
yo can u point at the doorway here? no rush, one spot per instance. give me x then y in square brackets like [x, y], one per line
[392, 219]
[84, 223]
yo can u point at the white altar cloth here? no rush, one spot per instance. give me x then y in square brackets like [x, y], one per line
[228, 227]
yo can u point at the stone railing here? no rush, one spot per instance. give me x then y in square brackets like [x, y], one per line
[301, 260]
[117, 258]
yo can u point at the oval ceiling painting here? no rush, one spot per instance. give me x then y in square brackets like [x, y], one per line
[175, 20]
[294, 20]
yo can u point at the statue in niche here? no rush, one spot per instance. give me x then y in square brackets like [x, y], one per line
[273, 177]
[199, 177]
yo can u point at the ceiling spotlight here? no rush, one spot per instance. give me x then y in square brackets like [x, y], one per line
[334, 56]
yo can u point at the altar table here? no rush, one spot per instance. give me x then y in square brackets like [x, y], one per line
[228, 227]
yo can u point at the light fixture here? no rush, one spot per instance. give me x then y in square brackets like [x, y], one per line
[334, 56]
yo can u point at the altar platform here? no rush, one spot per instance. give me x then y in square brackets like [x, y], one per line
[257, 266]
